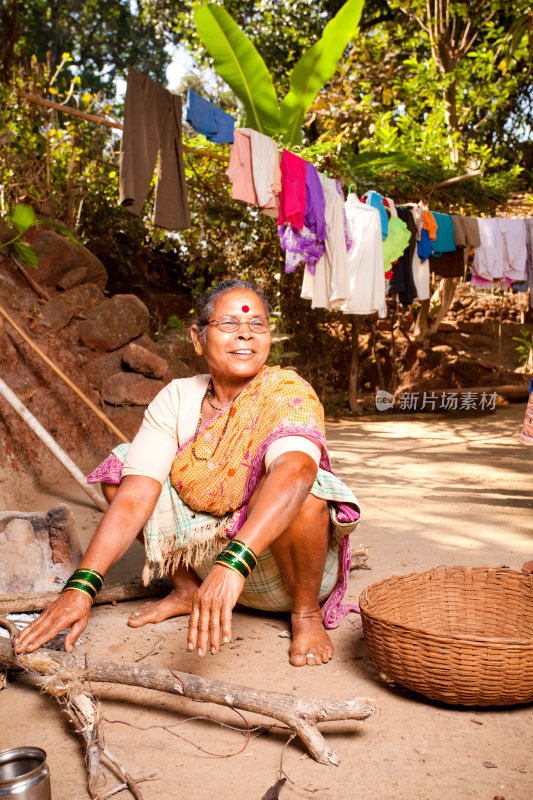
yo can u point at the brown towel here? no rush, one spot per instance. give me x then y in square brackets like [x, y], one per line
[152, 125]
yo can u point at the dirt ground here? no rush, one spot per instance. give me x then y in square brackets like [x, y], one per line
[434, 489]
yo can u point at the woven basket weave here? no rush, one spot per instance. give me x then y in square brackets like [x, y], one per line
[463, 635]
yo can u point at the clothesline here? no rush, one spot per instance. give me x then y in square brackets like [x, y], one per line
[311, 246]
[108, 123]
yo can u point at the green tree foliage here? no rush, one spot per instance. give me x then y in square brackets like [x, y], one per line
[103, 38]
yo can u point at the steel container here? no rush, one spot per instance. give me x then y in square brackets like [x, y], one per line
[24, 774]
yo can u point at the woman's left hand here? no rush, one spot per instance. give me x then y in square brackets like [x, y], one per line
[211, 609]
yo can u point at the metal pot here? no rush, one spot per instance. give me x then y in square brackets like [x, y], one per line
[24, 774]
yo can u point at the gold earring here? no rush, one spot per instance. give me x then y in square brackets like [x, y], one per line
[198, 351]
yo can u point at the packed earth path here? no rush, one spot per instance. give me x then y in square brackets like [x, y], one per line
[435, 489]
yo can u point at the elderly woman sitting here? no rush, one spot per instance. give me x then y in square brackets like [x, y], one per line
[230, 481]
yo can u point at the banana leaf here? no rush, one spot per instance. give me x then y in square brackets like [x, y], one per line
[237, 61]
[316, 67]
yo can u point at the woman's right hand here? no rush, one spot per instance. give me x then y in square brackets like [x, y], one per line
[70, 610]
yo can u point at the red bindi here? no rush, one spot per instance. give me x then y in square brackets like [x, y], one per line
[245, 309]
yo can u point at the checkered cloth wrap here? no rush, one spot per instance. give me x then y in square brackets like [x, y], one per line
[173, 526]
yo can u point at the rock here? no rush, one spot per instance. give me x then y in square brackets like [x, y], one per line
[58, 312]
[58, 256]
[129, 388]
[139, 359]
[100, 368]
[38, 549]
[72, 278]
[177, 368]
[23, 558]
[115, 322]
[64, 542]
[128, 419]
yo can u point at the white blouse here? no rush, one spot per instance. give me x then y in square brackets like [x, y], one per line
[170, 420]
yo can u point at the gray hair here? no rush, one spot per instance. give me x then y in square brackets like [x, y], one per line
[205, 303]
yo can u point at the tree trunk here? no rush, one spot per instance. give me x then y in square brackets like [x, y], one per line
[354, 368]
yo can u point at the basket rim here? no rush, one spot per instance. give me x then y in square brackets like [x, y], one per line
[435, 635]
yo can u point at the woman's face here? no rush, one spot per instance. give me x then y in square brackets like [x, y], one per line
[238, 356]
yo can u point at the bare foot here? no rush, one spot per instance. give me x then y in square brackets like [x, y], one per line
[528, 567]
[174, 604]
[311, 644]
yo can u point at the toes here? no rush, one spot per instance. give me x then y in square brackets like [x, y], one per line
[297, 660]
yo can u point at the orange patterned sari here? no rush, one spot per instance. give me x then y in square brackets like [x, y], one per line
[275, 403]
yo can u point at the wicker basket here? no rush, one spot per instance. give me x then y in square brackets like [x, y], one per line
[463, 635]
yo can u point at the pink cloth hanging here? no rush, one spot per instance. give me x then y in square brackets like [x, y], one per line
[292, 197]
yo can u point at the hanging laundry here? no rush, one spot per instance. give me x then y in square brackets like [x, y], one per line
[465, 233]
[152, 125]
[396, 242]
[389, 204]
[293, 190]
[429, 224]
[420, 271]
[265, 167]
[210, 120]
[489, 256]
[328, 287]
[424, 246]
[366, 274]
[401, 282]
[375, 200]
[239, 169]
[513, 231]
[445, 239]
[315, 203]
[446, 260]
[300, 247]
[448, 265]
[306, 246]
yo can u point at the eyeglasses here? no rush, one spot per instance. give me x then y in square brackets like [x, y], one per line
[232, 324]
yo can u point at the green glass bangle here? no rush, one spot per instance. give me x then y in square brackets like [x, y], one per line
[90, 572]
[81, 586]
[78, 589]
[236, 564]
[91, 576]
[235, 567]
[81, 582]
[241, 550]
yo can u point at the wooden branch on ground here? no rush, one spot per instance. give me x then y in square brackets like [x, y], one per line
[299, 714]
[26, 602]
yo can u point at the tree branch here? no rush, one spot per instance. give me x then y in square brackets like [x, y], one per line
[299, 714]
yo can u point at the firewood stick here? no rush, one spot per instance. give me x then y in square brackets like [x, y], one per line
[299, 714]
[27, 602]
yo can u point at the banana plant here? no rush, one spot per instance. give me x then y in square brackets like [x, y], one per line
[238, 62]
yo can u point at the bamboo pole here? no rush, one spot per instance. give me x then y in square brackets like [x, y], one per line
[64, 378]
[51, 444]
[74, 112]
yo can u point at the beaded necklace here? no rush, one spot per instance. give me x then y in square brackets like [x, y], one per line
[209, 395]
[198, 424]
